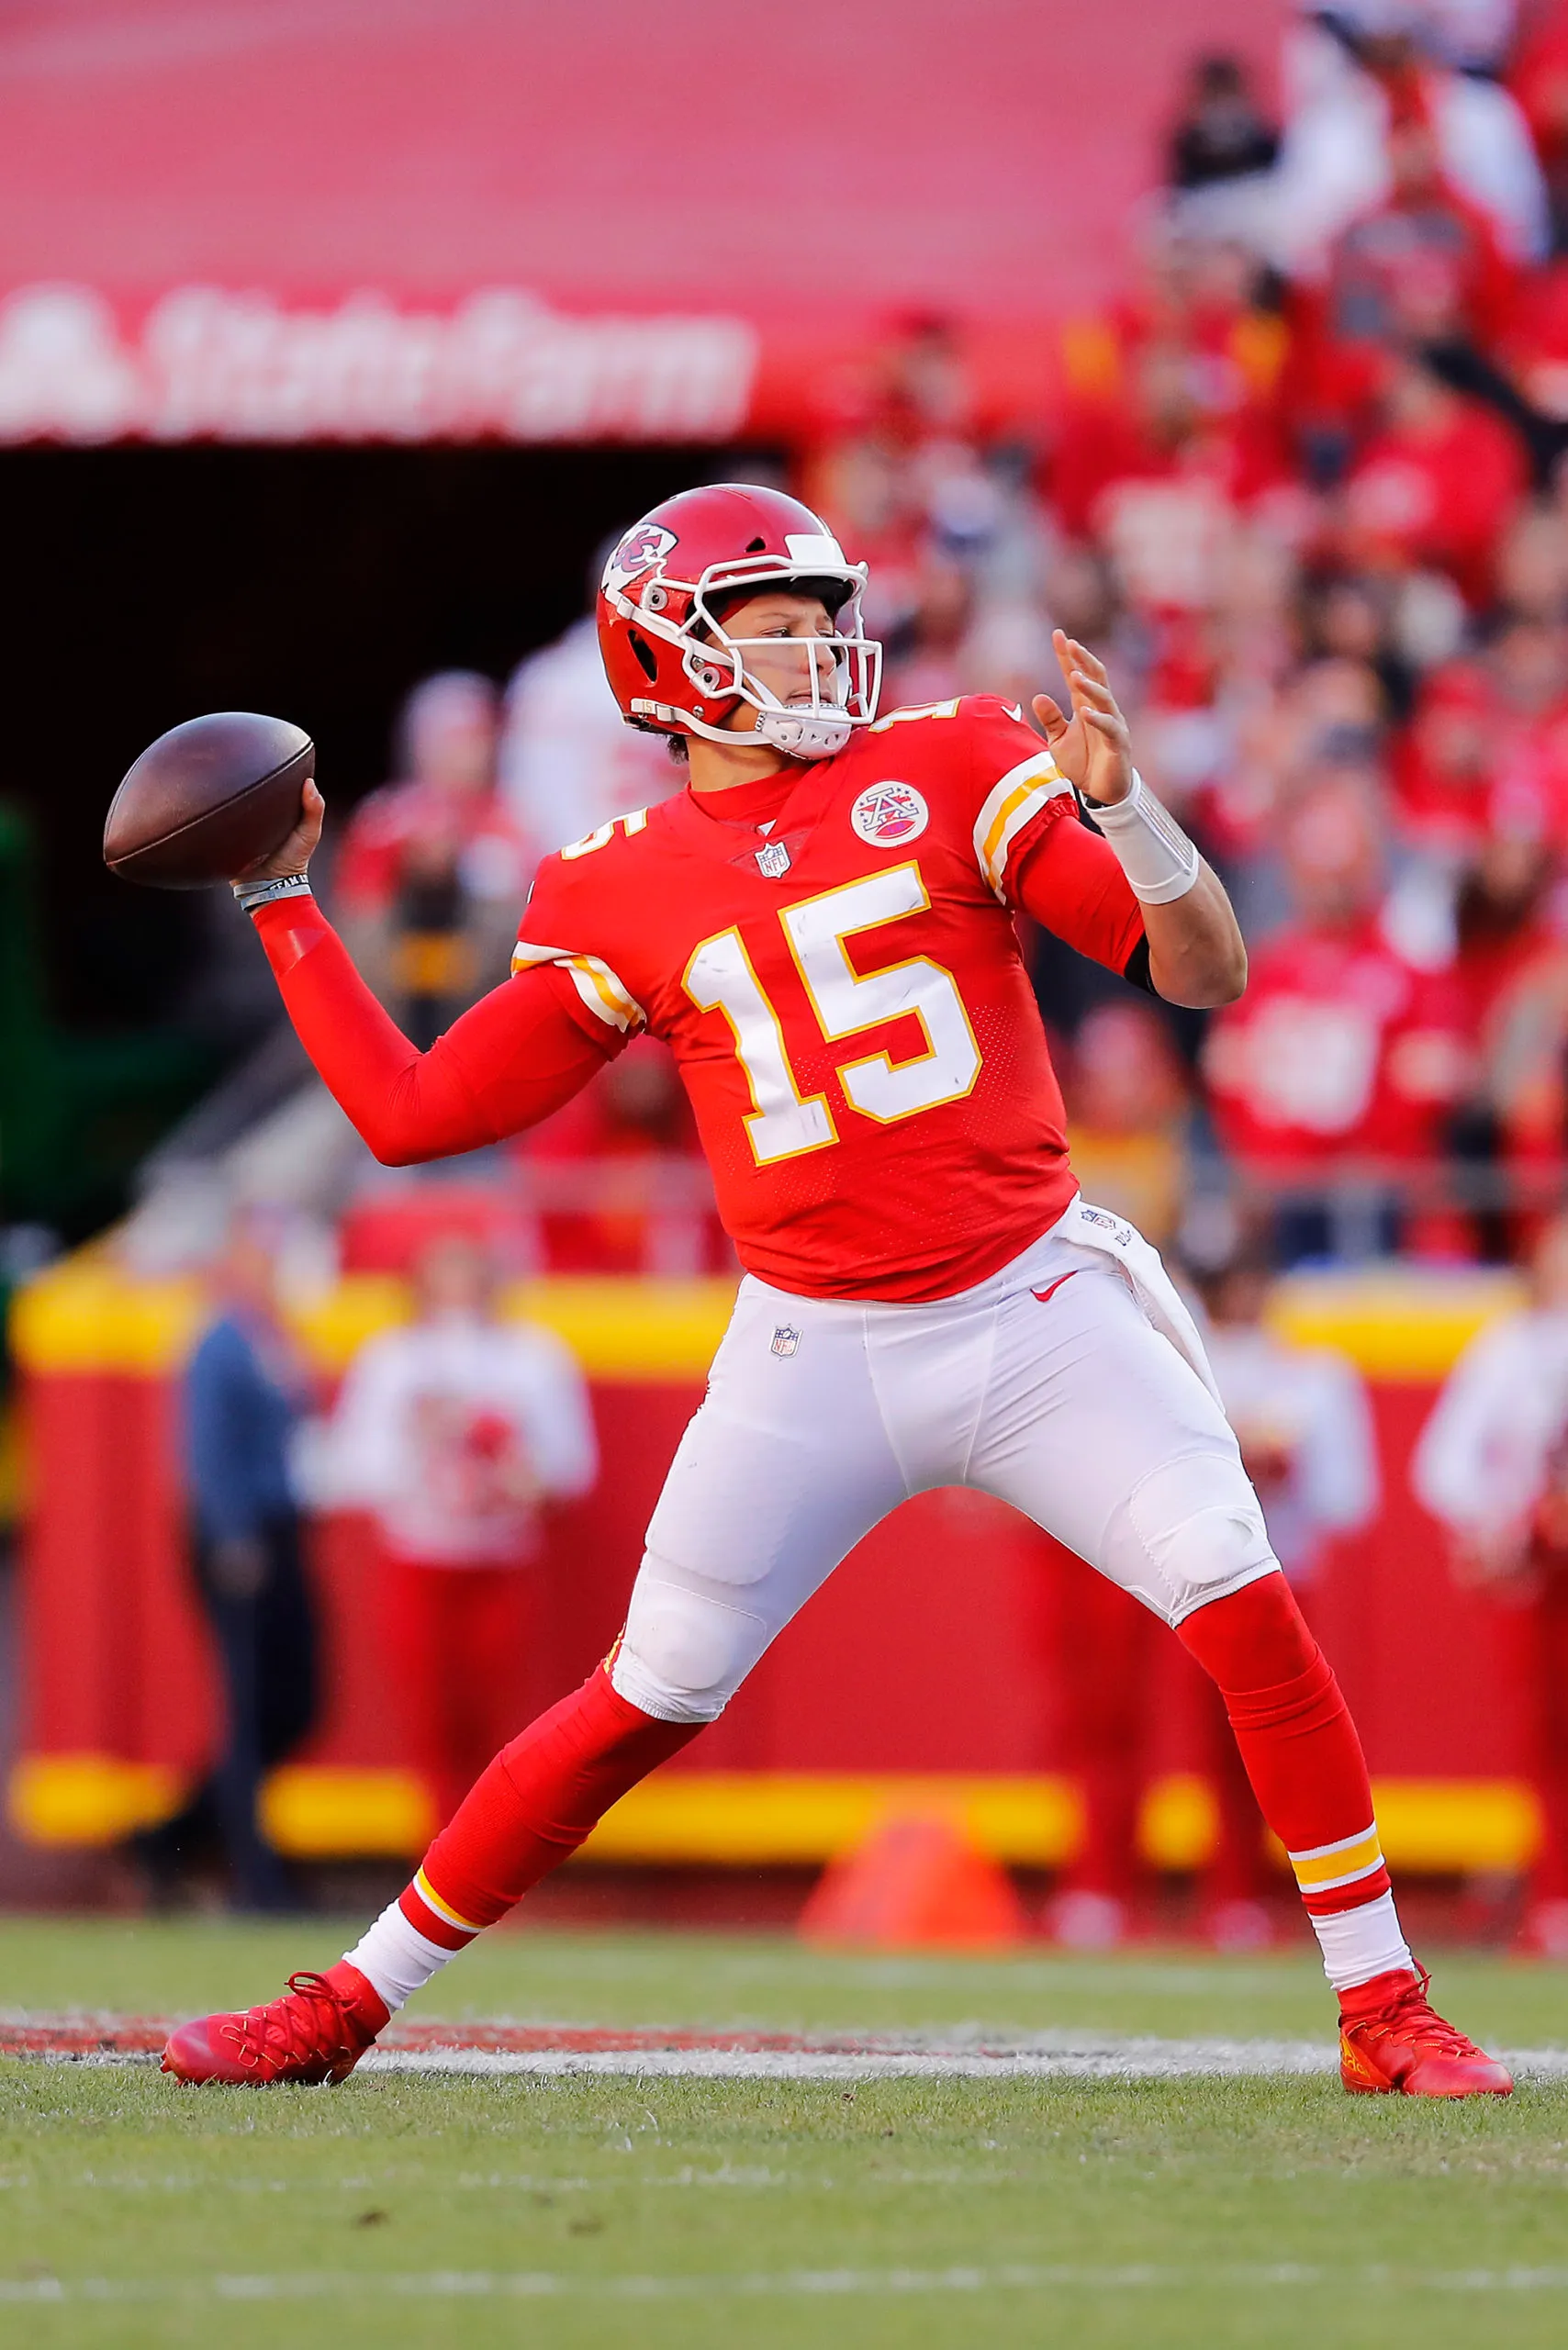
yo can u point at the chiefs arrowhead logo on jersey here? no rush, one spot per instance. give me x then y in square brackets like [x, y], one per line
[645, 545]
[888, 814]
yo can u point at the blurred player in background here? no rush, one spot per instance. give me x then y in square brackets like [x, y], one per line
[822, 928]
[1492, 1465]
[457, 1432]
[433, 866]
[568, 760]
[1304, 1422]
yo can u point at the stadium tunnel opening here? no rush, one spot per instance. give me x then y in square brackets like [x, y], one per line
[151, 584]
[316, 583]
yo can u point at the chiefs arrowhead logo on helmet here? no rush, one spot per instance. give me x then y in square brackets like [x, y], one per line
[638, 551]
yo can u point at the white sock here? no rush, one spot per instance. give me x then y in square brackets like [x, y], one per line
[1359, 1943]
[396, 1959]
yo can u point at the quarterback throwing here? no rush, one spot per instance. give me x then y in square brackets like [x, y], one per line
[822, 929]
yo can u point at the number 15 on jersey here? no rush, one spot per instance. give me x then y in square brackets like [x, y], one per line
[785, 1122]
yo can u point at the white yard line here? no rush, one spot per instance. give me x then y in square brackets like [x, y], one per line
[1136, 2059]
[789, 2284]
[961, 2055]
[1139, 2060]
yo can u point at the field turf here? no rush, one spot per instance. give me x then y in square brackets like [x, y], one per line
[682, 2213]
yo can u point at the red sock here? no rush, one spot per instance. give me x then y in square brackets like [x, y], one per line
[534, 1806]
[1297, 1739]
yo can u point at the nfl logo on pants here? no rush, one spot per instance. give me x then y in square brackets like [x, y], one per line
[785, 1340]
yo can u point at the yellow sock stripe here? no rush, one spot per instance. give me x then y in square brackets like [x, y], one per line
[1327, 1865]
[428, 1893]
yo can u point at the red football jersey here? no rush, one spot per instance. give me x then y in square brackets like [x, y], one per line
[1339, 1049]
[832, 958]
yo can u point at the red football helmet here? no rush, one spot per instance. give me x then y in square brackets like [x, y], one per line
[671, 664]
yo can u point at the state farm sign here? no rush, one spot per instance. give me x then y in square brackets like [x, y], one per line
[207, 364]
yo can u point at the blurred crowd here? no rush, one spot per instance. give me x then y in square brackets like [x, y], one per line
[1303, 484]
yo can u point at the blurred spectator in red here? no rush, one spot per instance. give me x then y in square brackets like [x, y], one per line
[568, 762]
[1528, 660]
[892, 465]
[1436, 484]
[1341, 1060]
[1423, 265]
[1126, 1101]
[617, 1177]
[457, 1433]
[1150, 439]
[1492, 1466]
[430, 885]
[1304, 1425]
[1196, 292]
[1443, 763]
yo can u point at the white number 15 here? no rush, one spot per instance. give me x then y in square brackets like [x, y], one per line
[784, 1122]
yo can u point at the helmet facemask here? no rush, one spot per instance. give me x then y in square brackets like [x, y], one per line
[844, 691]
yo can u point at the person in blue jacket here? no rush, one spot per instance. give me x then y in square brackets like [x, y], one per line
[244, 1390]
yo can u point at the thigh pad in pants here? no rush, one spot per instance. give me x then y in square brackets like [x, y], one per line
[782, 1470]
[1099, 1431]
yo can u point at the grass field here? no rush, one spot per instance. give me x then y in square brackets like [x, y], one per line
[681, 2212]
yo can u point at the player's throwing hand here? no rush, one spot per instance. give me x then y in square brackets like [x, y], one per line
[1094, 748]
[295, 856]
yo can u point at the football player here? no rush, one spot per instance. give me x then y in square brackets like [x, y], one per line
[822, 929]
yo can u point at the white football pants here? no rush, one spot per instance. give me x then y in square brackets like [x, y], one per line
[1046, 1385]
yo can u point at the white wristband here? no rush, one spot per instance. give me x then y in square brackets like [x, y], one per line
[249, 895]
[1154, 852]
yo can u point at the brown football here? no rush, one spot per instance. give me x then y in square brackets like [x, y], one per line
[209, 799]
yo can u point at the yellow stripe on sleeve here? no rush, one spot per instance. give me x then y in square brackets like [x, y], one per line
[594, 981]
[1012, 803]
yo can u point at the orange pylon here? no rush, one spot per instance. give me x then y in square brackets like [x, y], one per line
[917, 1882]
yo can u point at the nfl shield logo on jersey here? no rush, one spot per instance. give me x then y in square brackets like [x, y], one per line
[888, 814]
[784, 1339]
[773, 862]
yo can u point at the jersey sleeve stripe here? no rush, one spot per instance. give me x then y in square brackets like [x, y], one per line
[1013, 802]
[595, 982]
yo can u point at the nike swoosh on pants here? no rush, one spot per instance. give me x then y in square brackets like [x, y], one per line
[1046, 1294]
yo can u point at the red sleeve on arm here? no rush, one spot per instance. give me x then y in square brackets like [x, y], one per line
[520, 1053]
[1071, 882]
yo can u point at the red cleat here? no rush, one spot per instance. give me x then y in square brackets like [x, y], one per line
[1391, 2040]
[317, 2032]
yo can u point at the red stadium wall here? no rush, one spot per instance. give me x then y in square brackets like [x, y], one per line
[928, 1658]
[302, 202]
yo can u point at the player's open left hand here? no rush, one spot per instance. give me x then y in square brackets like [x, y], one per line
[295, 854]
[1093, 747]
